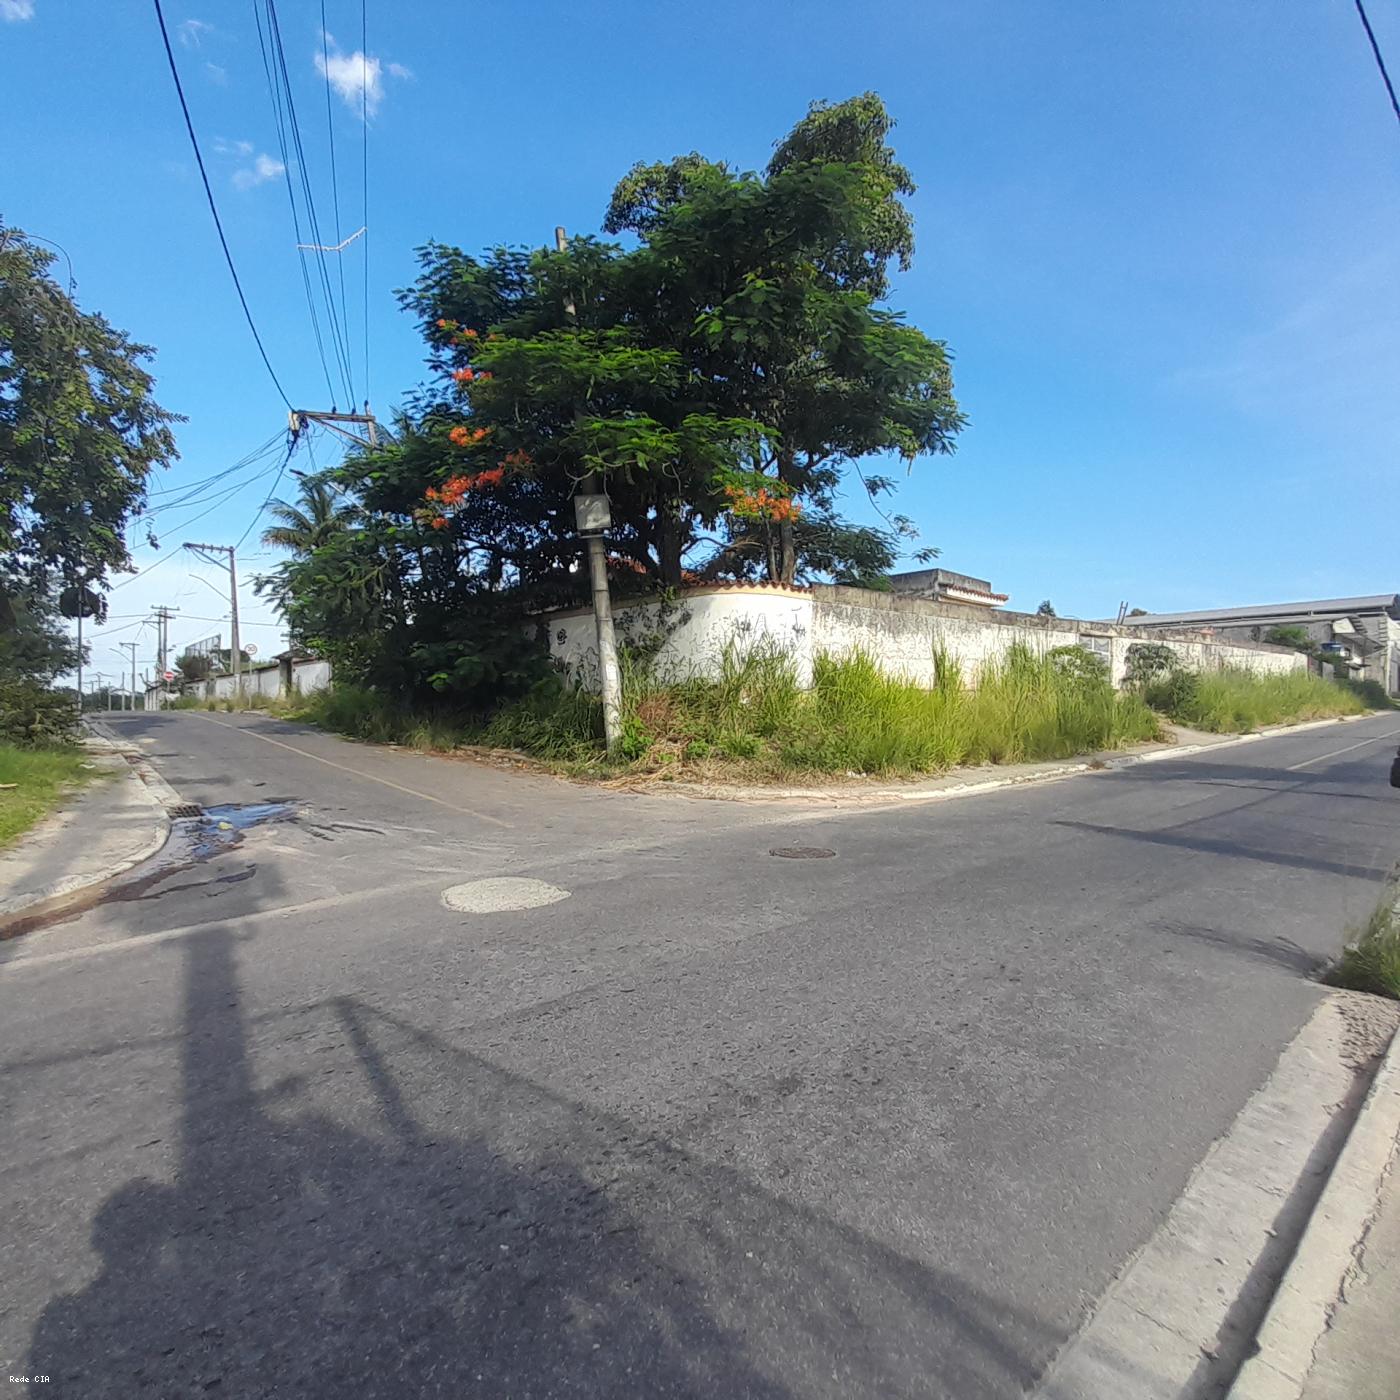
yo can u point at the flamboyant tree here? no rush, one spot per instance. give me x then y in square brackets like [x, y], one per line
[722, 374]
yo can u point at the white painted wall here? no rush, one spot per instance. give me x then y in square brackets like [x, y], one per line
[697, 630]
[902, 634]
[266, 680]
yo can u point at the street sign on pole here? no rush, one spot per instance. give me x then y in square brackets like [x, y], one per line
[167, 675]
[251, 649]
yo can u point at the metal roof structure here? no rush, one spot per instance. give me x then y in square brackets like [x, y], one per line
[1321, 609]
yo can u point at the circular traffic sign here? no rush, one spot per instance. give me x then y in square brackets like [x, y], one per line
[168, 675]
[251, 649]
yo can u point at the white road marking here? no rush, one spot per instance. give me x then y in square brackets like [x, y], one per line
[1308, 762]
[498, 895]
[21, 962]
[360, 773]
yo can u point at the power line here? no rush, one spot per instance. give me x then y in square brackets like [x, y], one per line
[243, 461]
[291, 447]
[146, 570]
[1380, 62]
[335, 182]
[213, 207]
[338, 341]
[276, 97]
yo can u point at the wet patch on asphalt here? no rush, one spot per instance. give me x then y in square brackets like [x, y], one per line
[192, 841]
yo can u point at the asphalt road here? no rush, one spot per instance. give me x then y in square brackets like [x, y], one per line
[717, 1124]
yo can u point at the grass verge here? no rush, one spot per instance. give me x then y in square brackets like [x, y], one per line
[1231, 701]
[1371, 961]
[39, 777]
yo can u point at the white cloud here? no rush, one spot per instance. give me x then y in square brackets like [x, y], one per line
[192, 32]
[217, 74]
[232, 148]
[357, 77]
[262, 170]
[16, 9]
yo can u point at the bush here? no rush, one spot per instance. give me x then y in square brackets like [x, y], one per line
[1148, 660]
[33, 716]
[1372, 694]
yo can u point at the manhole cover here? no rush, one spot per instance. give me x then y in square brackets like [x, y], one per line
[185, 809]
[802, 852]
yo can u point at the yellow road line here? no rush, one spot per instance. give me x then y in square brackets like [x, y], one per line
[360, 773]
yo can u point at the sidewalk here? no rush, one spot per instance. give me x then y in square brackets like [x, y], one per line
[1358, 1357]
[113, 823]
[1333, 1329]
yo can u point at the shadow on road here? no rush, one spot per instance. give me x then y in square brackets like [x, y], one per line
[469, 1233]
[1296, 860]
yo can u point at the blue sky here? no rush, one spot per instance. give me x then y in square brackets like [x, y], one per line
[1159, 239]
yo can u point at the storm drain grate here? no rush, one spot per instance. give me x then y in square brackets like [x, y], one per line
[185, 809]
[802, 852]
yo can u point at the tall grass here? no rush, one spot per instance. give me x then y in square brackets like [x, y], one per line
[855, 718]
[1371, 960]
[1231, 701]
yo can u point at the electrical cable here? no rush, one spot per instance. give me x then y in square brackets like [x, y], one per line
[243, 461]
[338, 341]
[1380, 62]
[291, 447]
[213, 207]
[275, 95]
[146, 570]
[335, 180]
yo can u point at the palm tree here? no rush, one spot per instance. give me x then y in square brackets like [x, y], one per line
[319, 515]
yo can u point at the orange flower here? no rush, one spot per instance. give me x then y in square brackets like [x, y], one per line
[433, 494]
[439, 522]
[463, 376]
[460, 435]
[479, 434]
[518, 458]
[469, 333]
[493, 477]
[443, 325]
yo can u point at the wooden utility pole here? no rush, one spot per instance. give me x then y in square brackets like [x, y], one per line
[591, 512]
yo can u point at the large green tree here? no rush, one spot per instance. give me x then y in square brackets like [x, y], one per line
[724, 374]
[80, 433]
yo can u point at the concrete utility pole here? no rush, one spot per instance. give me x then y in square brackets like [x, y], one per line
[131, 647]
[163, 616]
[209, 551]
[593, 517]
[298, 418]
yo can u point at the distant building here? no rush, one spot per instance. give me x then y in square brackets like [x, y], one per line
[1361, 635]
[944, 586]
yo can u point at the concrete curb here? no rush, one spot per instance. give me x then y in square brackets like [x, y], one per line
[1310, 1290]
[1099, 764]
[152, 788]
